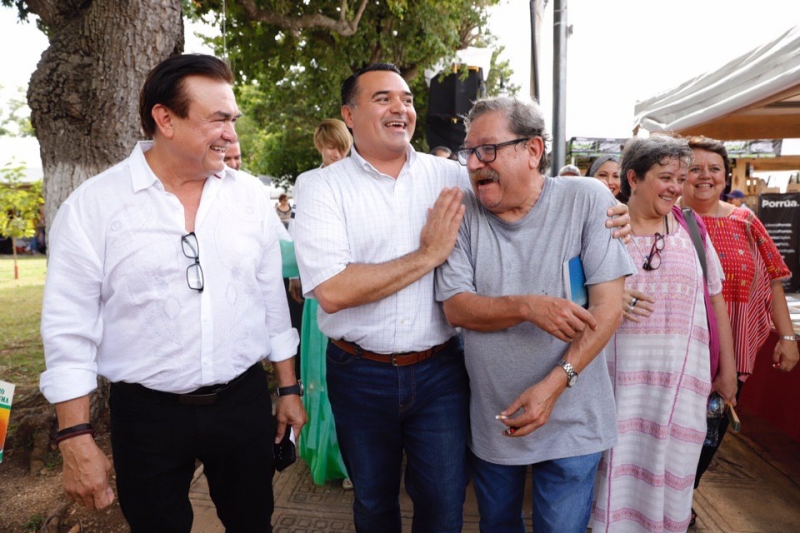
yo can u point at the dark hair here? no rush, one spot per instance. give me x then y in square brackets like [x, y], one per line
[350, 85]
[164, 85]
[525, 119]
[711, 145]
[640, 155]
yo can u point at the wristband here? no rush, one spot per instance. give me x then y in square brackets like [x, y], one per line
[74, 431]
[788, 337]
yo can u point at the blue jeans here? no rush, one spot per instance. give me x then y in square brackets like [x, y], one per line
[382, 411]
[562, 494]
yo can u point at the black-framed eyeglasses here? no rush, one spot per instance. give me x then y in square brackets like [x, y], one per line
[194, 272]
[654, 259]
[486, 153]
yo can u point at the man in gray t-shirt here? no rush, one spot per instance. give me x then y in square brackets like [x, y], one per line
[525, 342]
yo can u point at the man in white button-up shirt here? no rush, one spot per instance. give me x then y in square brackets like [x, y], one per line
[165, 278]
[367, 246]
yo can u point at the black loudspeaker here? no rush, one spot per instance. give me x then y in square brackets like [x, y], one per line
[450, 98]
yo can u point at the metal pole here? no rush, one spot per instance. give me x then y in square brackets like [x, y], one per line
[536, 25]
[560, 27]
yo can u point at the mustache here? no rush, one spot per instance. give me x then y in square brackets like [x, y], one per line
[484, 174]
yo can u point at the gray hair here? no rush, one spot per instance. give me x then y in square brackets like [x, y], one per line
[525, 119]
[599, 162]
[640, 155]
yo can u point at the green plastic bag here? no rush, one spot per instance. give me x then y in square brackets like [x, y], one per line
[290, 269]
[318, 444]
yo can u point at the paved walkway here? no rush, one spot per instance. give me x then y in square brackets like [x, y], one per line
[753, 486]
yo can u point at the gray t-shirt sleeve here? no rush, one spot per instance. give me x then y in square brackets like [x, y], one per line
[456, 275]
[604, 258]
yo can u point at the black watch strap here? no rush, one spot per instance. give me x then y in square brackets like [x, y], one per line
[297, 389]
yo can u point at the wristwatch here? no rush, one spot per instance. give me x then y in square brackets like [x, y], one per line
[572, 376]
[788, 337]
[297, 388]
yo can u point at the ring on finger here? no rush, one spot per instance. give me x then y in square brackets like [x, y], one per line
[633, 302]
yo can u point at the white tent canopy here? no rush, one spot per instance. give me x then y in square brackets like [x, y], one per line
[755, 96]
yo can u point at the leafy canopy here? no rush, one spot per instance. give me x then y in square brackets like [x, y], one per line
[290, 59]
[19, 203]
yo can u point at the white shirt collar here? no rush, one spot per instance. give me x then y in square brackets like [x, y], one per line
[411, 157]
[143, 176]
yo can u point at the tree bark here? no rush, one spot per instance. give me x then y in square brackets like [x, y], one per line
[84, 94]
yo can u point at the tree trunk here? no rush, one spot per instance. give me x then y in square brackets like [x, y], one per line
[14, 253]
[84, 94]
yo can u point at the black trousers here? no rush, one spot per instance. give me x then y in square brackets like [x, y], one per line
[296, 316]
[156, 440]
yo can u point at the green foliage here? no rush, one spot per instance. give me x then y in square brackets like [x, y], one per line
[15, 117]
[289, 73]
[34, 522]
[19, 203]
[21, 351]
[499, 78]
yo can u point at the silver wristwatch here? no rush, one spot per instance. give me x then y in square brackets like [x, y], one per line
[572, 376]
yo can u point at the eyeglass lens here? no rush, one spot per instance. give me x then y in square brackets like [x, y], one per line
[194, 276]
[486, 153]
[190, 247]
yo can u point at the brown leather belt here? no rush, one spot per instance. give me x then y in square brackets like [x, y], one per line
[395, 359]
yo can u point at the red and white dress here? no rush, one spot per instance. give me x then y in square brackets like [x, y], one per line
[751, 262]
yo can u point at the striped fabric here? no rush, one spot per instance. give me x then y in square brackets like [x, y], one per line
[660, 370]
[750, 261]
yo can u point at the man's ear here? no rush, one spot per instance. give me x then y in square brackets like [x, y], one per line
[631, 177]
[163, 119]
[347, 116]
[535, 151]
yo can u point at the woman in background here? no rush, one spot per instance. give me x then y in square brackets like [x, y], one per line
[661, 366]
[284, 210]
[318, 444]
[753, 270]
[606, 169]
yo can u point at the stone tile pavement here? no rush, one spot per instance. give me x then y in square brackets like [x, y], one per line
[753, 486]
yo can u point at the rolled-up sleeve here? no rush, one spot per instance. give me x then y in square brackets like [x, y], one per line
[72, 325]
[283, 338]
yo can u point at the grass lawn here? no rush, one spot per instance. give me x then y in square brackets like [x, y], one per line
[21, 353]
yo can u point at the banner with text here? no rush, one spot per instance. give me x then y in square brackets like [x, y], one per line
[780, 214]
[595, 147]
[754, 148]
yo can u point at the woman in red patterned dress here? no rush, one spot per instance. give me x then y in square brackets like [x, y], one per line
[753, 270]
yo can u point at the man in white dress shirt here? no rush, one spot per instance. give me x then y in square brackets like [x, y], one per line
[165, 278]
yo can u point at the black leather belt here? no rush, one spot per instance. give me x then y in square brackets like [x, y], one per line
[208, 395]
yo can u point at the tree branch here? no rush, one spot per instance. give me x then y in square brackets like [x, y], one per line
[342, 26]
[53, 12]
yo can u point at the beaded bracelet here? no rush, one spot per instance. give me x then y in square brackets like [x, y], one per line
[74, 431]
